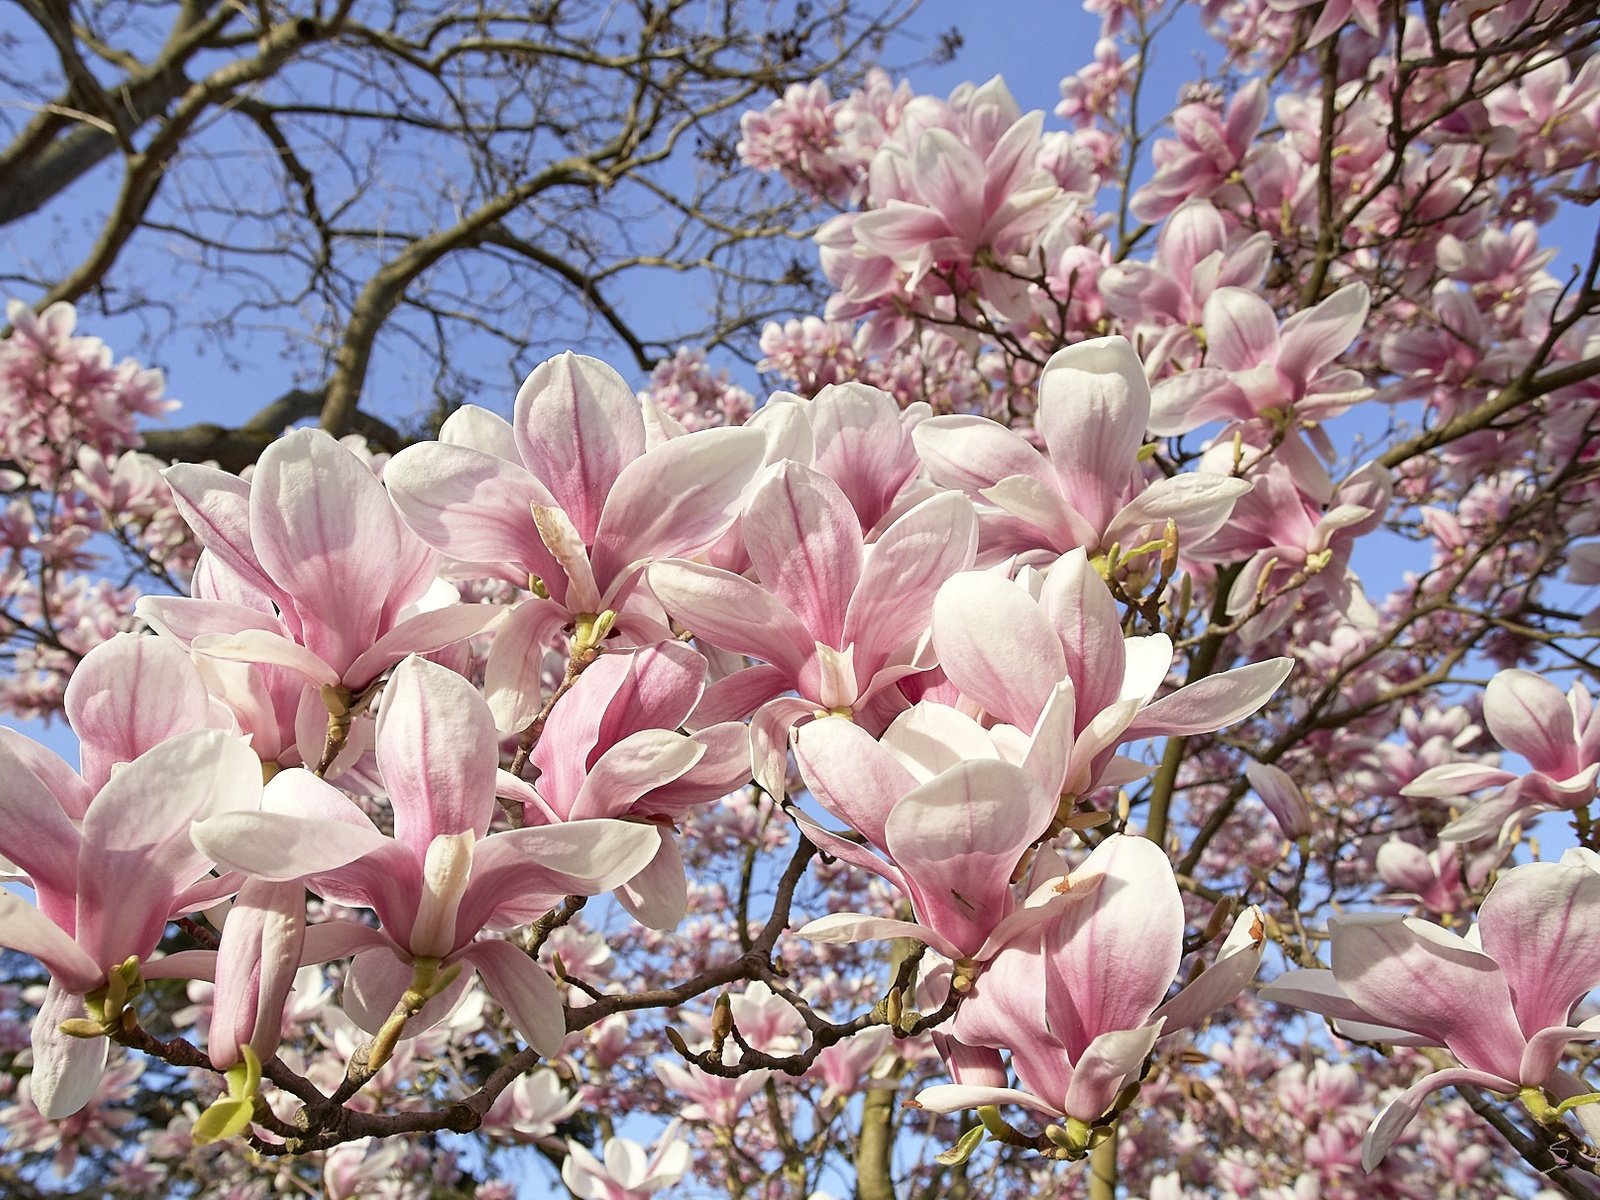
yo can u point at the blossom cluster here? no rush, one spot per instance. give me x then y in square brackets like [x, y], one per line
[961, 730]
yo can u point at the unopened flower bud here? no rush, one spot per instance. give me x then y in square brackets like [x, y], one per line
[1283, 799]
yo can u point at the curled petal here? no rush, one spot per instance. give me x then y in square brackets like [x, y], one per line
[1235, 966]
[1403, 1109]
[527, 994]
[66, 1070]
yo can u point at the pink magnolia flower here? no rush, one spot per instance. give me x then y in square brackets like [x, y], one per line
[1283, 798]
[533, 1106]
[846, 1067]
[441, 879]
[938, 204]
[797, 136]
[1438, 879]
[1009, 654]
[263, 941]
[1079, 1000]
[1282, 533]
[1558, 735]
[950, 815]
[688, 391]
[1089, 489]
[1256, 372]
[833, 618]
[128, 695]
[1207, 151]
[569, 499]
[110, 862]
[59, 391]
[714, 1099]
[611, 749]
[1555, 110]
[1500, 999]
[856, 435]
[626, 1173]
[1193, 260]
[1096, 89]
[311, 569]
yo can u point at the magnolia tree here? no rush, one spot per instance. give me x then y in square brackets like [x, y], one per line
[1120, 723]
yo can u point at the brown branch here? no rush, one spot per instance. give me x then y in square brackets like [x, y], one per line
[52, 151]
[147, 168]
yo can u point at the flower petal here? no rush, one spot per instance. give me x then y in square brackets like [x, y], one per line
[996, 645]
[472, 505]
[23, 927]
[658, 896]
[1212, 703]
[325, 531]
[129, 694]
[578, 424]
[632, 767]
[1414, 975]
[675, 501]
[1236, 965]
[1094, 402]
[137, 856]
[1403, 1109]
[1528, 715]
[66, 1070]
[522, 988]
[731, 613]
[852, 775]
[437, 752]
[973, 453]
[953, 1097]
[1541, 923]
[805, 542]
[904, 570]
[958, 839]
[1113, 949]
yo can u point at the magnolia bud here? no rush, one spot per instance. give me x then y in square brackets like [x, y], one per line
[1283, 799]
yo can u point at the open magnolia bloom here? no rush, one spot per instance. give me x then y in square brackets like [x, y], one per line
[571, 499]
[310, 568]
[1088, 489]
[1283, 376]
[110, 862]
[611, 749]
[833, 618]
[442, 878]
[1500, 999]
[858, 436]
[952, 817]
[1080, 999]
[1009, 653]
[1558, 734]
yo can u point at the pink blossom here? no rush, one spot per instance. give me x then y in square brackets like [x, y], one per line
[609, 749]
[1207, 151]
[1088, 490]
[1014, 656]
[1499, 1000]
[1558, 735]
[1078, 1000]
[310, 569]
[109, 867]
[439, 880]
[625, 1174]
[834, 619]
[571, 501]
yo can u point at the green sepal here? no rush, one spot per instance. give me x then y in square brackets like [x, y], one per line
[962, 1150]
[230, 1115]
[82, 1027]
